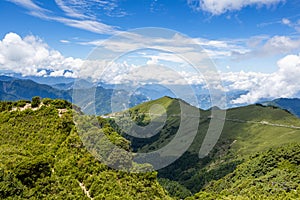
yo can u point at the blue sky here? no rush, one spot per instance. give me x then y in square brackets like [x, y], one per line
[247, 40]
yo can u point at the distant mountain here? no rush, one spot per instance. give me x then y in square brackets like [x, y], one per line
[48, 80]
[247, 130]
[63, 86]
[74, 84]
[93, 100]
[98, 100]
[292, 105]
[155, 91]
[17, 89]
[6, 78]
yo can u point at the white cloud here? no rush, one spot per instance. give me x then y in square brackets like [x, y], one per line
[90, 9]
[31, 56]
[178, 44]
[282, 83]
[64, 41]
[73, 17]
[260, 47]
[279, 45]
[41, 73]
[295, 25]
[29, 4]
[152, 61]
[57, 73]
[68, 10]
[286, 21]
[218, 7]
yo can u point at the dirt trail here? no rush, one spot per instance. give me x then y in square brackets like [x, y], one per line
[86, 192]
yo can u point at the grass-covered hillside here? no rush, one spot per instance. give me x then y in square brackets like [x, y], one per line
[247, 131]
[42, 157]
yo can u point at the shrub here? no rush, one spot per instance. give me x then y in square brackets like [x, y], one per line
[35, 101]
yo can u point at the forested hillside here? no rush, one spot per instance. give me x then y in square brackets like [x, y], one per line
[42, 157]
[273, 174]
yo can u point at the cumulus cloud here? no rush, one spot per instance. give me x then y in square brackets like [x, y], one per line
[282, 83]
[31, 56]
[218, 7]
[281, 44]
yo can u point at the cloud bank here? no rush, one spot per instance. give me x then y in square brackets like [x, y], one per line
[282, 83]
[31, 56]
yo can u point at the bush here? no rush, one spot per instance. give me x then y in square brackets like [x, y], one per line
[46, 101]
[21, 103]
[61, 104]
[35, 102]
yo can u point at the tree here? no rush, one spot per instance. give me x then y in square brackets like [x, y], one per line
[35, 101]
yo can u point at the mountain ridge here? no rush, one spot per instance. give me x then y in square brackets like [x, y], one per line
[247, 130]
[290, 104]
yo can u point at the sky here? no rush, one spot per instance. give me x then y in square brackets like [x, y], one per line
[254, 45]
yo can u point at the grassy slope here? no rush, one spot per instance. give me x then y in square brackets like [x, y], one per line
[254, 137]
[245, 132]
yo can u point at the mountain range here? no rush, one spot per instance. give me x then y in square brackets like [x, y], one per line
[16, 88]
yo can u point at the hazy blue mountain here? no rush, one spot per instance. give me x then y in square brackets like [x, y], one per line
[48, 80]
[95, 100]
[6, 78]
[155, 91]
[74, 84]
[16, 89]
[292, 105]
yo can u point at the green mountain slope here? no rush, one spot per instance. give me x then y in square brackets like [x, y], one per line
[273, 174]
[247, 130]
[42, 157]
